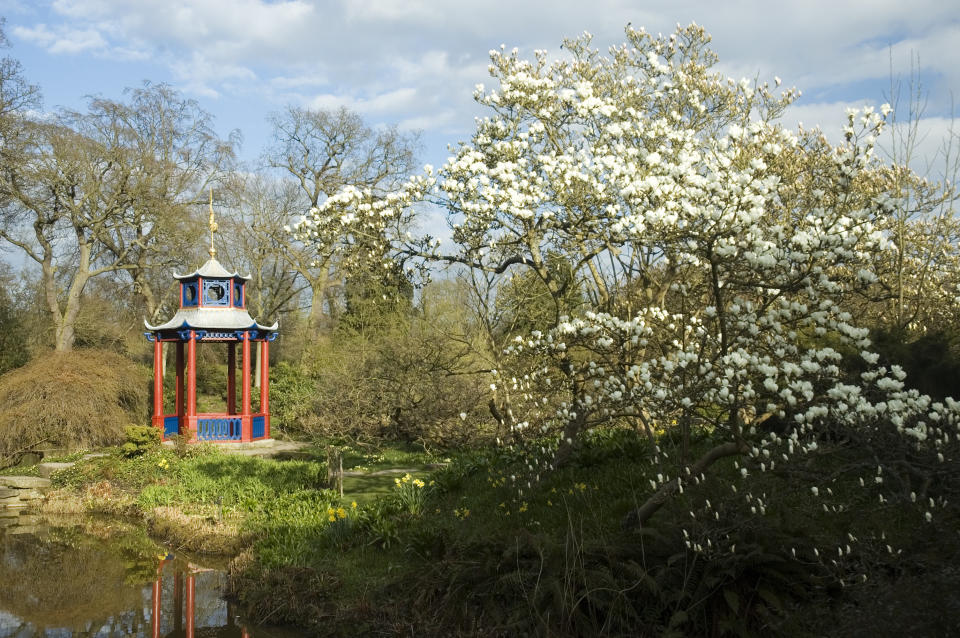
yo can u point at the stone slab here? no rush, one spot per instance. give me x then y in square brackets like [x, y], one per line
[25, 482]
[8, 492]
[47, 469]
[29, 495]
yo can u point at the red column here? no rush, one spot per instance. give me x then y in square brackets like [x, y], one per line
[232, 377]
[178, 602]
[155, 611]
[265, 386]
[191, 588]
[192, 387]
[247, 426]
[158, 383]
[180, 380]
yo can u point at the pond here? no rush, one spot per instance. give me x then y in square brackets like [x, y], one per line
[102, 577]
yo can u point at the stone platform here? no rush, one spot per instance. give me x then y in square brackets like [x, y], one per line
[22, 491]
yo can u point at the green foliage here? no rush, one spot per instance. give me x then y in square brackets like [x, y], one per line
[73, 399]
[14, 324]
[403, 382]
[291, 398]
[140, 439]
[376, 300]
[932, 361]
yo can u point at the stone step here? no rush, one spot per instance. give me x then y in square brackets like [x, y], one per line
[25, 482]
[47, 469]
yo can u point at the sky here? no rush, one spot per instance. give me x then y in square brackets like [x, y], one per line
[414, 63]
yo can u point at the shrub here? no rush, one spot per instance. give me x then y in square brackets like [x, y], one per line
[291, 398]
[82, 398]
[140, 439]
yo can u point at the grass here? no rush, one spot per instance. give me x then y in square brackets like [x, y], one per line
[366, 489]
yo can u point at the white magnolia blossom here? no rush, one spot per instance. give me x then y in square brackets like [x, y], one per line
[645, 169]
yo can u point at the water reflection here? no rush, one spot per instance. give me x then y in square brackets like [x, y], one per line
[104, 579]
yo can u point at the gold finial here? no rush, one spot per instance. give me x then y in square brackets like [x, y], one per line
[213, 227]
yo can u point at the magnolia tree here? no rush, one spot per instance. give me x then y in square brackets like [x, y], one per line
[718, 250]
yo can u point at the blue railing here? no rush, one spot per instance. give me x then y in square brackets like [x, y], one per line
[171, 426]
[218, 429]
[259, 427]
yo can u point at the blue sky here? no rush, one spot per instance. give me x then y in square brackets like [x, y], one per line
[415, 63]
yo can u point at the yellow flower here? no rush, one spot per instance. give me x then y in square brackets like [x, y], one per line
[406, 478]
[331, 518]
[523, 506]
[331, 511]
[549, 503]
[341, 513]
[397, 481]
[431, 483]
[353, 505]
[581, 486]
[418, 483]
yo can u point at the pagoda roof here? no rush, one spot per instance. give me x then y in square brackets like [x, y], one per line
[214, 270]
[211, 319]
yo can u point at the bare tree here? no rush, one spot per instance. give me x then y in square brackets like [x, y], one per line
[97, 192]
[325, 150]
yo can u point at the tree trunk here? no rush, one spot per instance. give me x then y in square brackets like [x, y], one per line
[66, 326]
[318, 286]
[639, 516]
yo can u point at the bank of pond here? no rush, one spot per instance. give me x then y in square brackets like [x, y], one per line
[487, 541]
[96, 576]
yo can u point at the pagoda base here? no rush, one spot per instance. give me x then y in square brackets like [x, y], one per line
[215, 428]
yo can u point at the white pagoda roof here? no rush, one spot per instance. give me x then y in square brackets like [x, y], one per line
[211, 319]
[214, 270]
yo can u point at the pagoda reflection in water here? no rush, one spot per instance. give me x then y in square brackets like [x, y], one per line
[174, 610]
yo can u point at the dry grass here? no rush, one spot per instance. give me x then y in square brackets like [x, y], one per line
[197, 532]
[102, 497]
[74, 399]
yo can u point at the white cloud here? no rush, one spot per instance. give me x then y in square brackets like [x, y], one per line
[416, 61]
[62, 39]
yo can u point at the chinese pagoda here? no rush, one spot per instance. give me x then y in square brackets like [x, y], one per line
[212, 311]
